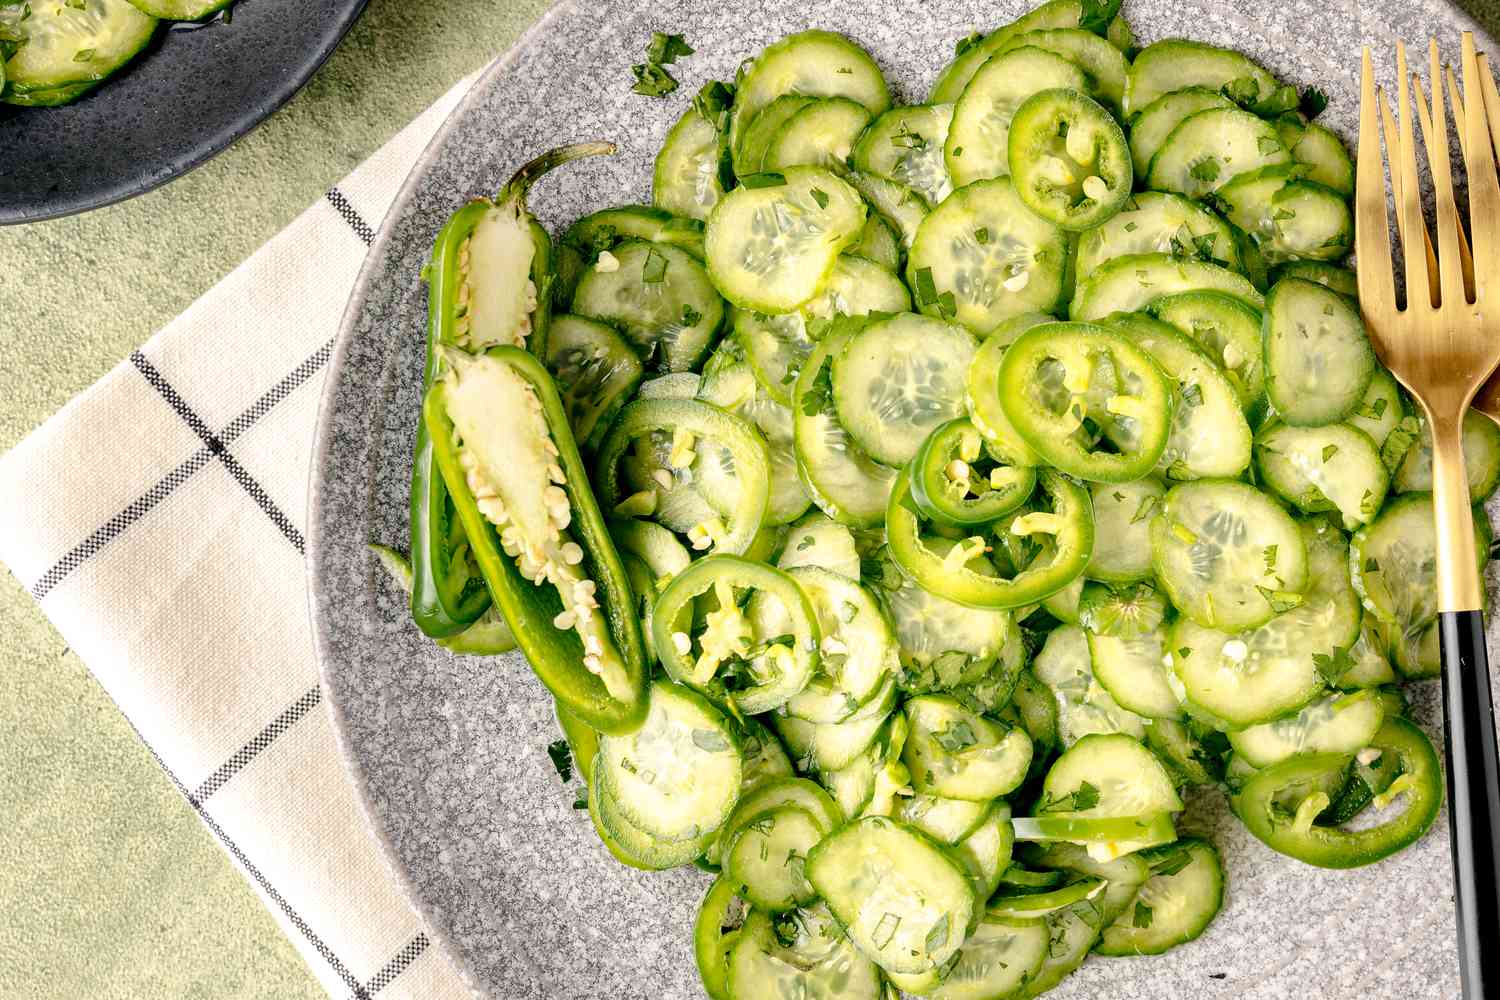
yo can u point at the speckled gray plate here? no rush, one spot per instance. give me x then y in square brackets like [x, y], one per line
[449, 753]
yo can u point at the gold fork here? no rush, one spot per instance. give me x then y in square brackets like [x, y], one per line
[1443, 344]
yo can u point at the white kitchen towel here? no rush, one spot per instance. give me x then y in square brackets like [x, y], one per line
[159, 520]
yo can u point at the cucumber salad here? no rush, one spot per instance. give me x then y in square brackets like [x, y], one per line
[914, 505]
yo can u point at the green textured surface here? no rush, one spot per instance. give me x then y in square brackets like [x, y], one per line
[109, 887]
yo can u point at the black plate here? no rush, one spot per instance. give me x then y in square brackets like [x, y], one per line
[192, 92]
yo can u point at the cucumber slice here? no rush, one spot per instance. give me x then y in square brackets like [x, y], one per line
[767, 856]
[1174, 64]
[1335, 723]
[657, 547]
[978, 144]
[1318, 360]
[1150, 125]
[1103, 65]
[1158, 222]
[1084, 707]
[1381, 410]
[818, 540]
[1068, 158]
[778, 346]
[630, 844]
[906, 145]
[65, 48]
[729, 383]
[1280, 666]
[1481, 447]
[905, 902]
[1123, 779]
[1063, 604]
[1323, 152]
[678, 776]
[877, 244]
[750, 151]
[180, 10]
[804, 954]
[944, 644]
[973, 52]
[859, 649]
[1122, 529]
[1227, 329]
[1071, 935]
[772, 248]
[809, 64]
[959, 754]
[600, 231]
[1209, 436]
[992, 694]
[1340, 279]
[897, 379]
[687, 178]
[596, 371]
[1228, 556]
[1130, 282]
[946, 821]
[1290, 219]
[902, 208]
[1133, 670]
[821, 134]
[986, 852]
[1209, 148]
[1393, 567]
[1335, 467]
[835, 746]
[765, 758]
[982, 257]
[982, 393]
[659, 296]
[997, 960]
[1176, 905]
[1123, 875]
[777, 792]
[1122, 612]
[845, 483]
[1192, 751]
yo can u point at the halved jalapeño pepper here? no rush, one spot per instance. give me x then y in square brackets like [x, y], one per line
[955, 481]
[1287, 805]
[948, 568]
[1087, 400]
[740, 631]
[500, 438]
[488, 283]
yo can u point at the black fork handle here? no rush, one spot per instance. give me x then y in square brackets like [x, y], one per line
[1474, 799]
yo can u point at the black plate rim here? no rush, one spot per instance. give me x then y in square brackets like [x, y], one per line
[148, 175]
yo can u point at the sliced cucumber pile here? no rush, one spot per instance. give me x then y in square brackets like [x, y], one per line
[986, 472]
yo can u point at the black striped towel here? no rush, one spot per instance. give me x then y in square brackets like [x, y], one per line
[171, 561]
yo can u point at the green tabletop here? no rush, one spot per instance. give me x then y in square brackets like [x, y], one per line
[110, 886]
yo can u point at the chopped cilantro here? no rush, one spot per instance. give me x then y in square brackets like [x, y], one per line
[1142, 917]
[654, 268]
[820, 196]
[562, 759]
[1206, 169]
[1312, 102]
[764, 179]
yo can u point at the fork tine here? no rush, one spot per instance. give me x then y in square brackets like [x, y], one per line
[1491, 98]
[1484, 188]
[1424, 117]
[1372, 234]
[1435, 138]
[1409, 198]
[1392, 146]
[1456, 102]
